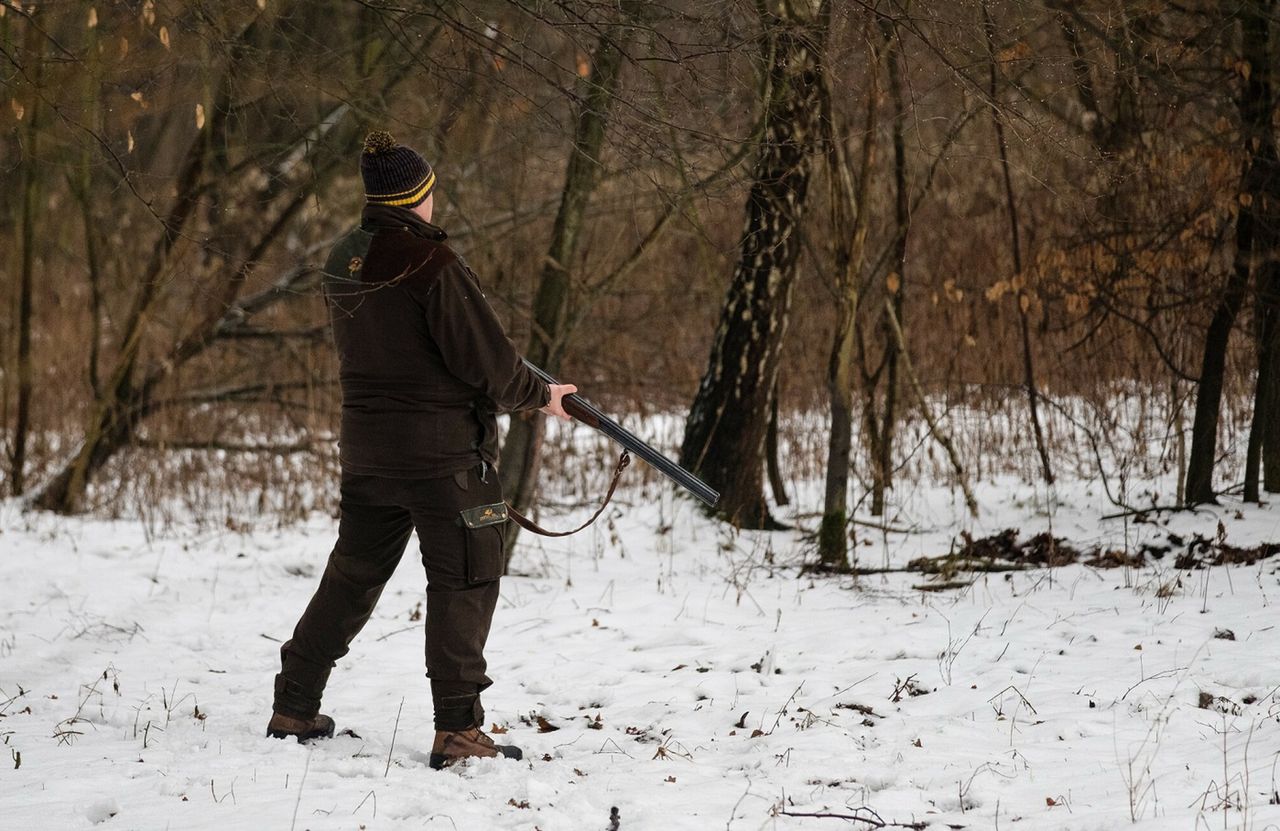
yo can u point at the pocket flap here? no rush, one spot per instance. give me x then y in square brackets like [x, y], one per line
[482, 515]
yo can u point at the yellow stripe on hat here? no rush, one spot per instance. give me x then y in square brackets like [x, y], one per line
[411, 195]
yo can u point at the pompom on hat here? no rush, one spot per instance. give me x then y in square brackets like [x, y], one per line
[393, 173]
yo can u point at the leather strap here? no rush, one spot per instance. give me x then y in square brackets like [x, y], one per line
[534, 528]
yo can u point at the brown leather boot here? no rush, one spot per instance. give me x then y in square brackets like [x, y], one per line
[453, 746]
[284, 727]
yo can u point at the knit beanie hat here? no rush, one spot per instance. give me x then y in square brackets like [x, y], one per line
[394, 174]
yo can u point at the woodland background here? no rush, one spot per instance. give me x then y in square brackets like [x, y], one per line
[799, 224]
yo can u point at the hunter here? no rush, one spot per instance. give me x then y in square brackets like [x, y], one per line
[425, 365]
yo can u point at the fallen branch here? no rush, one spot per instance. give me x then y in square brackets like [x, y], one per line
[872, 821]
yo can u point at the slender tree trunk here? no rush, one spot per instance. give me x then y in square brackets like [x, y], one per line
[26, 290]
[1271, 427]
[776, 483]
[1257, 106]
[1266, 254]
[81, 187]
[1265, 413]
[551, 305]
[883, 463]
[849, 221]
[1024, 298]
[728, 421]
[9, 221]
[1175, 399]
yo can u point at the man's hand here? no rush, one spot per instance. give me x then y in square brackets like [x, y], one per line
[554, 406]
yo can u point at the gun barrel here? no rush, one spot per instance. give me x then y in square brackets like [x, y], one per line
[586, 412]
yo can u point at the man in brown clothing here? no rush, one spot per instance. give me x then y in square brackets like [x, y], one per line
[425, 365]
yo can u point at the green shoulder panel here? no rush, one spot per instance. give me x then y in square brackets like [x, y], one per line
[347, 257]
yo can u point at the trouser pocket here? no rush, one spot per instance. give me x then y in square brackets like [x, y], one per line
[483, 530]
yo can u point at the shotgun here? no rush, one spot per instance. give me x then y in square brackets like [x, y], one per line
[583, 410]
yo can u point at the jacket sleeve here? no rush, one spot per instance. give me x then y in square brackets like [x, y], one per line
[474, 345]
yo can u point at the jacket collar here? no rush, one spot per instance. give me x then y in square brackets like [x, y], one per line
[376, 218]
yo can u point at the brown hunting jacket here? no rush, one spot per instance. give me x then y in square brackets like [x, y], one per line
[425, 363]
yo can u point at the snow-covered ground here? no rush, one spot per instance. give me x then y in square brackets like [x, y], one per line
[695, 678]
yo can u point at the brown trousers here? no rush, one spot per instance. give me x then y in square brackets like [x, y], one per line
[463, 567]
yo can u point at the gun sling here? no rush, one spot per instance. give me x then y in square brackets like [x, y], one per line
[585, 412]
[533, 527]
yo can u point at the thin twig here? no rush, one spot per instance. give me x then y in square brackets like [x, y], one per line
[394, 730]
[784, 708]
[874, 820]
[301, 785]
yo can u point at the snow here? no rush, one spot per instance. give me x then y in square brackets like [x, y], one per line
[696, 679]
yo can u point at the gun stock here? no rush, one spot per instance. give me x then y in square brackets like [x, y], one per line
[584, 411]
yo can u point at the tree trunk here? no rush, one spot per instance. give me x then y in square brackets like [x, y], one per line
[26, 290]
[1266, 251]
[1265, 398]
[126, 399]
[728, 421]
[1271, 427]
[1024, 298]
[774, 466]
[883, 463]
[1256, 106]
[849, 221]
[551, 305]
[110, 425]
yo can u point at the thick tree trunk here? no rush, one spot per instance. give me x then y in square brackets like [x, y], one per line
[1257, 105]
[551, 306]
[728, 421]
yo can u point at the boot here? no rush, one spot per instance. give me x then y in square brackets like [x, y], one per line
[453, 746]
[284, 727]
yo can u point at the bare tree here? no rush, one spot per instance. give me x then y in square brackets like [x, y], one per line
[1259, 185]
[728, 421]
[30, 217]
[849, 219]
[132, 391]
[551, 305]
[1015, 237]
